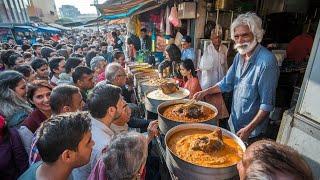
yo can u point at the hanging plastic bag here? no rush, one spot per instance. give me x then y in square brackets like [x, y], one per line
[173, 18]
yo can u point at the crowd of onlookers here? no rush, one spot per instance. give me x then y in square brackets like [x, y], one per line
[68, 111]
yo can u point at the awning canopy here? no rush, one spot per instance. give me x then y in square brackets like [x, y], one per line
[59, 26]
[48, 29]
[24, 28]
[121, 9]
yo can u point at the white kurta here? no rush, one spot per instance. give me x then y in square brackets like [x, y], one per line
[213, 65]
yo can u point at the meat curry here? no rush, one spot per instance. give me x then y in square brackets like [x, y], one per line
[205, 148]
[194, 113]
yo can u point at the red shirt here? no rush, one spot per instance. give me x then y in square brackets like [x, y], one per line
[193, 86]
[299, 48]
[34, 120]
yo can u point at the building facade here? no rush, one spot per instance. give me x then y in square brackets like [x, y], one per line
[45, 10]
[14, 11]
[69, 11]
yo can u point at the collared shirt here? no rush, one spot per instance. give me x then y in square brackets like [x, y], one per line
[188, 54]
[54, 80]
[254, 88]
[101, 135]
[213, 65]
[119, 129]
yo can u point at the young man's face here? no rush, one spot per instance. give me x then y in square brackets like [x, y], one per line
[20, 61]
[103, 48]
[124, 116]
[43, 72]
[38, 50]
[120, 107]
[83, 153]
[77, 102]
[185, 45]
[79, 51]
[86, 81]
[60, 68]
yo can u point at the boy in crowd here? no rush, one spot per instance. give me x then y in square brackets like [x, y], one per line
[64, 143]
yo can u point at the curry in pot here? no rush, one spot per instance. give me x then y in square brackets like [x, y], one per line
[205, 148]
[192, 113]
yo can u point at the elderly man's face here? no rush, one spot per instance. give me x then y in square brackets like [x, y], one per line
[121, 77]
[244, 39]
[216, 40]
[242, 34]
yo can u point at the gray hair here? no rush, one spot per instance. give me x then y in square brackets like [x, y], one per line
[217, 31]
[252, 21]
[95, 61]
[111, 71]
[125, 156]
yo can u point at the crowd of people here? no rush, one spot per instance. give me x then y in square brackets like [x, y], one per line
[68, 109]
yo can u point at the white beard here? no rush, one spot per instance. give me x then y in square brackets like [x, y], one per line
[246, 47]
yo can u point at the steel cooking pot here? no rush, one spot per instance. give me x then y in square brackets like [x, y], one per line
[185, 170]
[154, 98]
[166, 124]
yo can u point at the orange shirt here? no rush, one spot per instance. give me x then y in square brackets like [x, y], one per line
[193, 86]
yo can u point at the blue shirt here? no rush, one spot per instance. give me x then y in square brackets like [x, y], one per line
[254, 88]
[31, 173]
[188, 54]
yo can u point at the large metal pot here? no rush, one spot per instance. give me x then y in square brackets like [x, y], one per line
[166, 124]
[152, 103]
[185, 170]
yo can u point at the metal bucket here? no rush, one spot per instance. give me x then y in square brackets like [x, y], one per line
[186, 170]
[166, 124]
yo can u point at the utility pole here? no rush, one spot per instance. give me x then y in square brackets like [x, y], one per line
[96, 2]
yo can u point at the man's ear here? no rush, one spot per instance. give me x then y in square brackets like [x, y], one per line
[111, 110]
[79, 83]
[66, 109]
[67, 156]
[54, 71]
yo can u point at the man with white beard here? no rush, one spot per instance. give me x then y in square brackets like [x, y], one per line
[252, 77]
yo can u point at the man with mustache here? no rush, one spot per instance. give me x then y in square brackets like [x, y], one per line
[252, 77]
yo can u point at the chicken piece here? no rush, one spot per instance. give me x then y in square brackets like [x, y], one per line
[193, 111]
[208, 143]
[169, 88]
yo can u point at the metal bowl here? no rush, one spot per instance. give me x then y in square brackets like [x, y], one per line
[166, 124]
[185, 170]
[152, 103]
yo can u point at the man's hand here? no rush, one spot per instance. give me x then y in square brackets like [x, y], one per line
[152, 130]
[244, 133]
[199, 95]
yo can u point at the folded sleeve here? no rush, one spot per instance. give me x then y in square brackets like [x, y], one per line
[267, 86]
